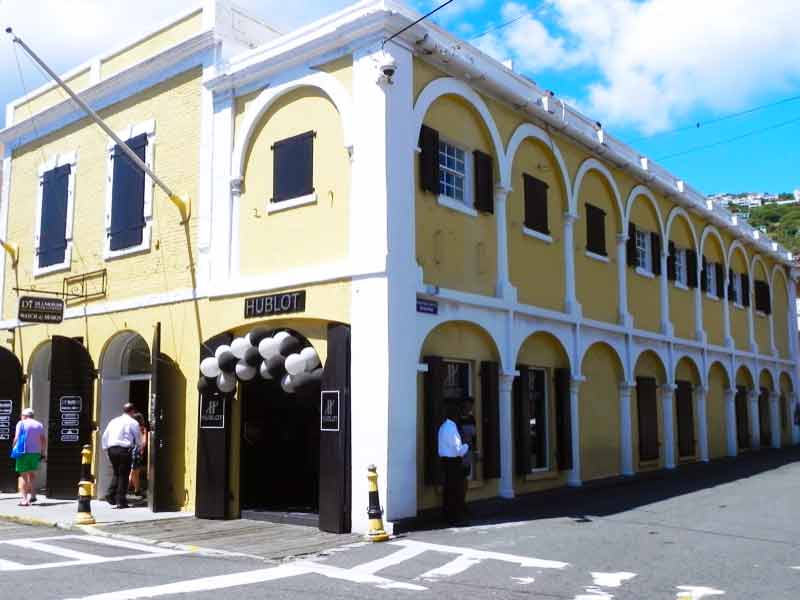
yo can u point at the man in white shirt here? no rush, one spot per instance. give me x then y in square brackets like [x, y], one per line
[451, 451]
[121, 435]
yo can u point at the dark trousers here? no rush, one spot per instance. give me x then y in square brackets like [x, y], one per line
[454, 505]
[121, 466]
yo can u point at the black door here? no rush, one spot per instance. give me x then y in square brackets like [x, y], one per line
[334, 442]
[166, 456]
[764, 422]
[71, 408]
[685, 410]
[742, 425]
[647, 410]
[10, 406]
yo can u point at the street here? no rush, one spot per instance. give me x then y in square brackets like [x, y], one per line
[733, 534]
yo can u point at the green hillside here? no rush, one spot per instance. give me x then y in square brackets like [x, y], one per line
[781, 222]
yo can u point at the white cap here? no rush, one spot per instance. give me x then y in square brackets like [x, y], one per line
[27, 412]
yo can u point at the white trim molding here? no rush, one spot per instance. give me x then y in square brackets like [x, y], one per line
[57, 160]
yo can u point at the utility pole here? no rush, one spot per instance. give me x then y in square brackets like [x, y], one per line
[183, 205]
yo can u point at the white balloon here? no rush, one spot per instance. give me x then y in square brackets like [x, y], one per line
[295, 364]
[268, 347]
[209, 367]
[286, 384]
[226, 382]
[244, 371]
[311, 357]
[239, 346]
[279, 337]
[262, 370]
[221, 349]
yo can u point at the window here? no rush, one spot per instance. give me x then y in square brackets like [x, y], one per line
[54, 215]
[537, 398]
[456, 381]
[595, 230]
[681, 272]
[643, 250]
[129, 196]
[762, 296]
[711, 279]
[452, 172]
[293, 167]
[736, 289]
[535, 195]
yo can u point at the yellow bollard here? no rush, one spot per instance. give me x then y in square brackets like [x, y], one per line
[85, 489]
[374, 511]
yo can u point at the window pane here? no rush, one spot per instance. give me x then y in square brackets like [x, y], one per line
[538, 425]
[293, 167]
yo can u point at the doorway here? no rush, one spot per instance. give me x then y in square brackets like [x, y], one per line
[39, 390]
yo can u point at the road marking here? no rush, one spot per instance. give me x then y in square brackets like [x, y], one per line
[395, 558]
[594, 593]
[454, 567]
[695, 592]
[611, 580]
[523, 561]
[56, 550]
[524, 580]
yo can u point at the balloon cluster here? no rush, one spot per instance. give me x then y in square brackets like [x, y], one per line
[280, 356]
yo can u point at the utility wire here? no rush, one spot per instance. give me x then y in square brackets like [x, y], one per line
[422, 18]
[527, 13]
[729, 140]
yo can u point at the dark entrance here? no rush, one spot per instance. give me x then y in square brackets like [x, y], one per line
[685, 413]
[647, 410]
[764, 424]
[742, 424]
[10, 406]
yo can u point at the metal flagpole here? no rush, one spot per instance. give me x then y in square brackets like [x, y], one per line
[184, 205]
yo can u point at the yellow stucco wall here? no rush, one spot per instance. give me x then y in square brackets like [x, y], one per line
[52, 96]
[273, 241]
[744, 377]
[644, 292]
[175, 107]
[648, 365]
[780, 314]
[455, 340]
[533, 261]
[715, 408]
[599, 411]
[597, 297]
[681, 301]
[713, 322]
[456, 250]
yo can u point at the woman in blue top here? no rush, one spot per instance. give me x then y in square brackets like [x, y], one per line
[35, 451]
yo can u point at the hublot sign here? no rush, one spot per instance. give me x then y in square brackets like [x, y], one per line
[275, 304]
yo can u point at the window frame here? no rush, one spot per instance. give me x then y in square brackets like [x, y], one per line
[547, 433]
[131, 131]
[681, 269]
[57, 160]
[711, 281]
[467, 205]
[274, 205]
[645, 263]
[737, 289]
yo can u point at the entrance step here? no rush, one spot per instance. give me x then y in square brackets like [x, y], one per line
[289, 518]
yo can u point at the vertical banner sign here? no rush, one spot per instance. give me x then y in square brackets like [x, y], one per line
[6, 407]
[70, 409]
[329, 411]
[212, 411]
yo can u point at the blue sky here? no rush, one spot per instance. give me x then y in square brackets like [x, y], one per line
[642, 67]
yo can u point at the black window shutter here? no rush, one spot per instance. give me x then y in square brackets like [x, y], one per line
[647, 411]
[53, 228]
[767, 299]
[429, 160]
[630, 246]
[595, 230]
[704, 276]
[293, 167]
[671, 259]
[484, 182]
[762, 296]
[490, 413]
[655, 252]
[127, 196]
[535, 192]
[731, 286]
[563, 420]
[745, 289]
[719, 272]
[434, 415]
[691, 268]
[522, 421]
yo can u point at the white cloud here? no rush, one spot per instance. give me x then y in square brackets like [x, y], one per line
[656, 61]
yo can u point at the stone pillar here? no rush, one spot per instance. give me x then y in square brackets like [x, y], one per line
[666, 324]
[574, 476]
[755, 428]
[668, 414]
[506, 436]
[775, 418]
[623, 315]
[571, 305]
[503, 288]
[625, 429]
[702, 421]
[730, 421]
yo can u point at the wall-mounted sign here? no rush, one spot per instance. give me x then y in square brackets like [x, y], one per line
[5, 426]
[70, 409]
[275, 304]
[428, 307]
[212, 411]
[70, 404]
[329, 411]
[6, 407]
[33, 309]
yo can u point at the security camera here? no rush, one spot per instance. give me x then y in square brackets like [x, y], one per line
[388, 67]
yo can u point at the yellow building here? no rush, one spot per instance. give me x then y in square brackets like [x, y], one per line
[375, 230]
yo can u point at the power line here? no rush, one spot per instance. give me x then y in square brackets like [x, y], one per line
[733, 139]
[422, 18]
[527, 13]
[700, 124]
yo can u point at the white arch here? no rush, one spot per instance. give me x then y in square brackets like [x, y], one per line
[589, 342]
[641, 190]
[518, 344]
[449, 85]
[724, 365]
[325, 82]
[670, 377]
[528, 130]
[711, 230]
[691, 358]
[778, 268]
[738, 244]
[484, 327]
[679, 211]
[771, 373]
[592, 164]
[757, 258]
[747, 367]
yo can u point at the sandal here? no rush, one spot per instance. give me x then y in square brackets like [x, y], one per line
[24, 504]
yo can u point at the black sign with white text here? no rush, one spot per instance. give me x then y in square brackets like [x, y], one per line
[428, 307]
[70, 408]
[33, 309]
[329, 411]
[212, 411]
[275, 304]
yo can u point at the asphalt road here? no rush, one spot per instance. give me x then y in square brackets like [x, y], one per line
[734, 535]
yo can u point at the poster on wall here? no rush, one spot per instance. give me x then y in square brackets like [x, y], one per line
[329, 411]
[212, 411]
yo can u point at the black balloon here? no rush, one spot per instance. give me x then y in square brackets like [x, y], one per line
[206, 385]
[275, 366]
[258, 334]
[252, 357]
[316, 375]
[302, 382]
[227, 362]
[290, 345]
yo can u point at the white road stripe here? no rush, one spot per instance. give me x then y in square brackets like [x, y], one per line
[149, 548]
[394, 558]
[458, 565]
[523, 561]
[81, 563]
[57, 550]
[7, 565]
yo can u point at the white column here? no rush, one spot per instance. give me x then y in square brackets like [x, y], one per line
[755, 428]
[623, 315]
[751, 330]
[574, 476]
[699, 332]
[726, 319]
[215, 235]
[625, 429]
[666, 324]
[506, 436]
[571, 305]
[702, 421]
[775, 418]
[668, 415]
[730, 421]
[503, 287]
